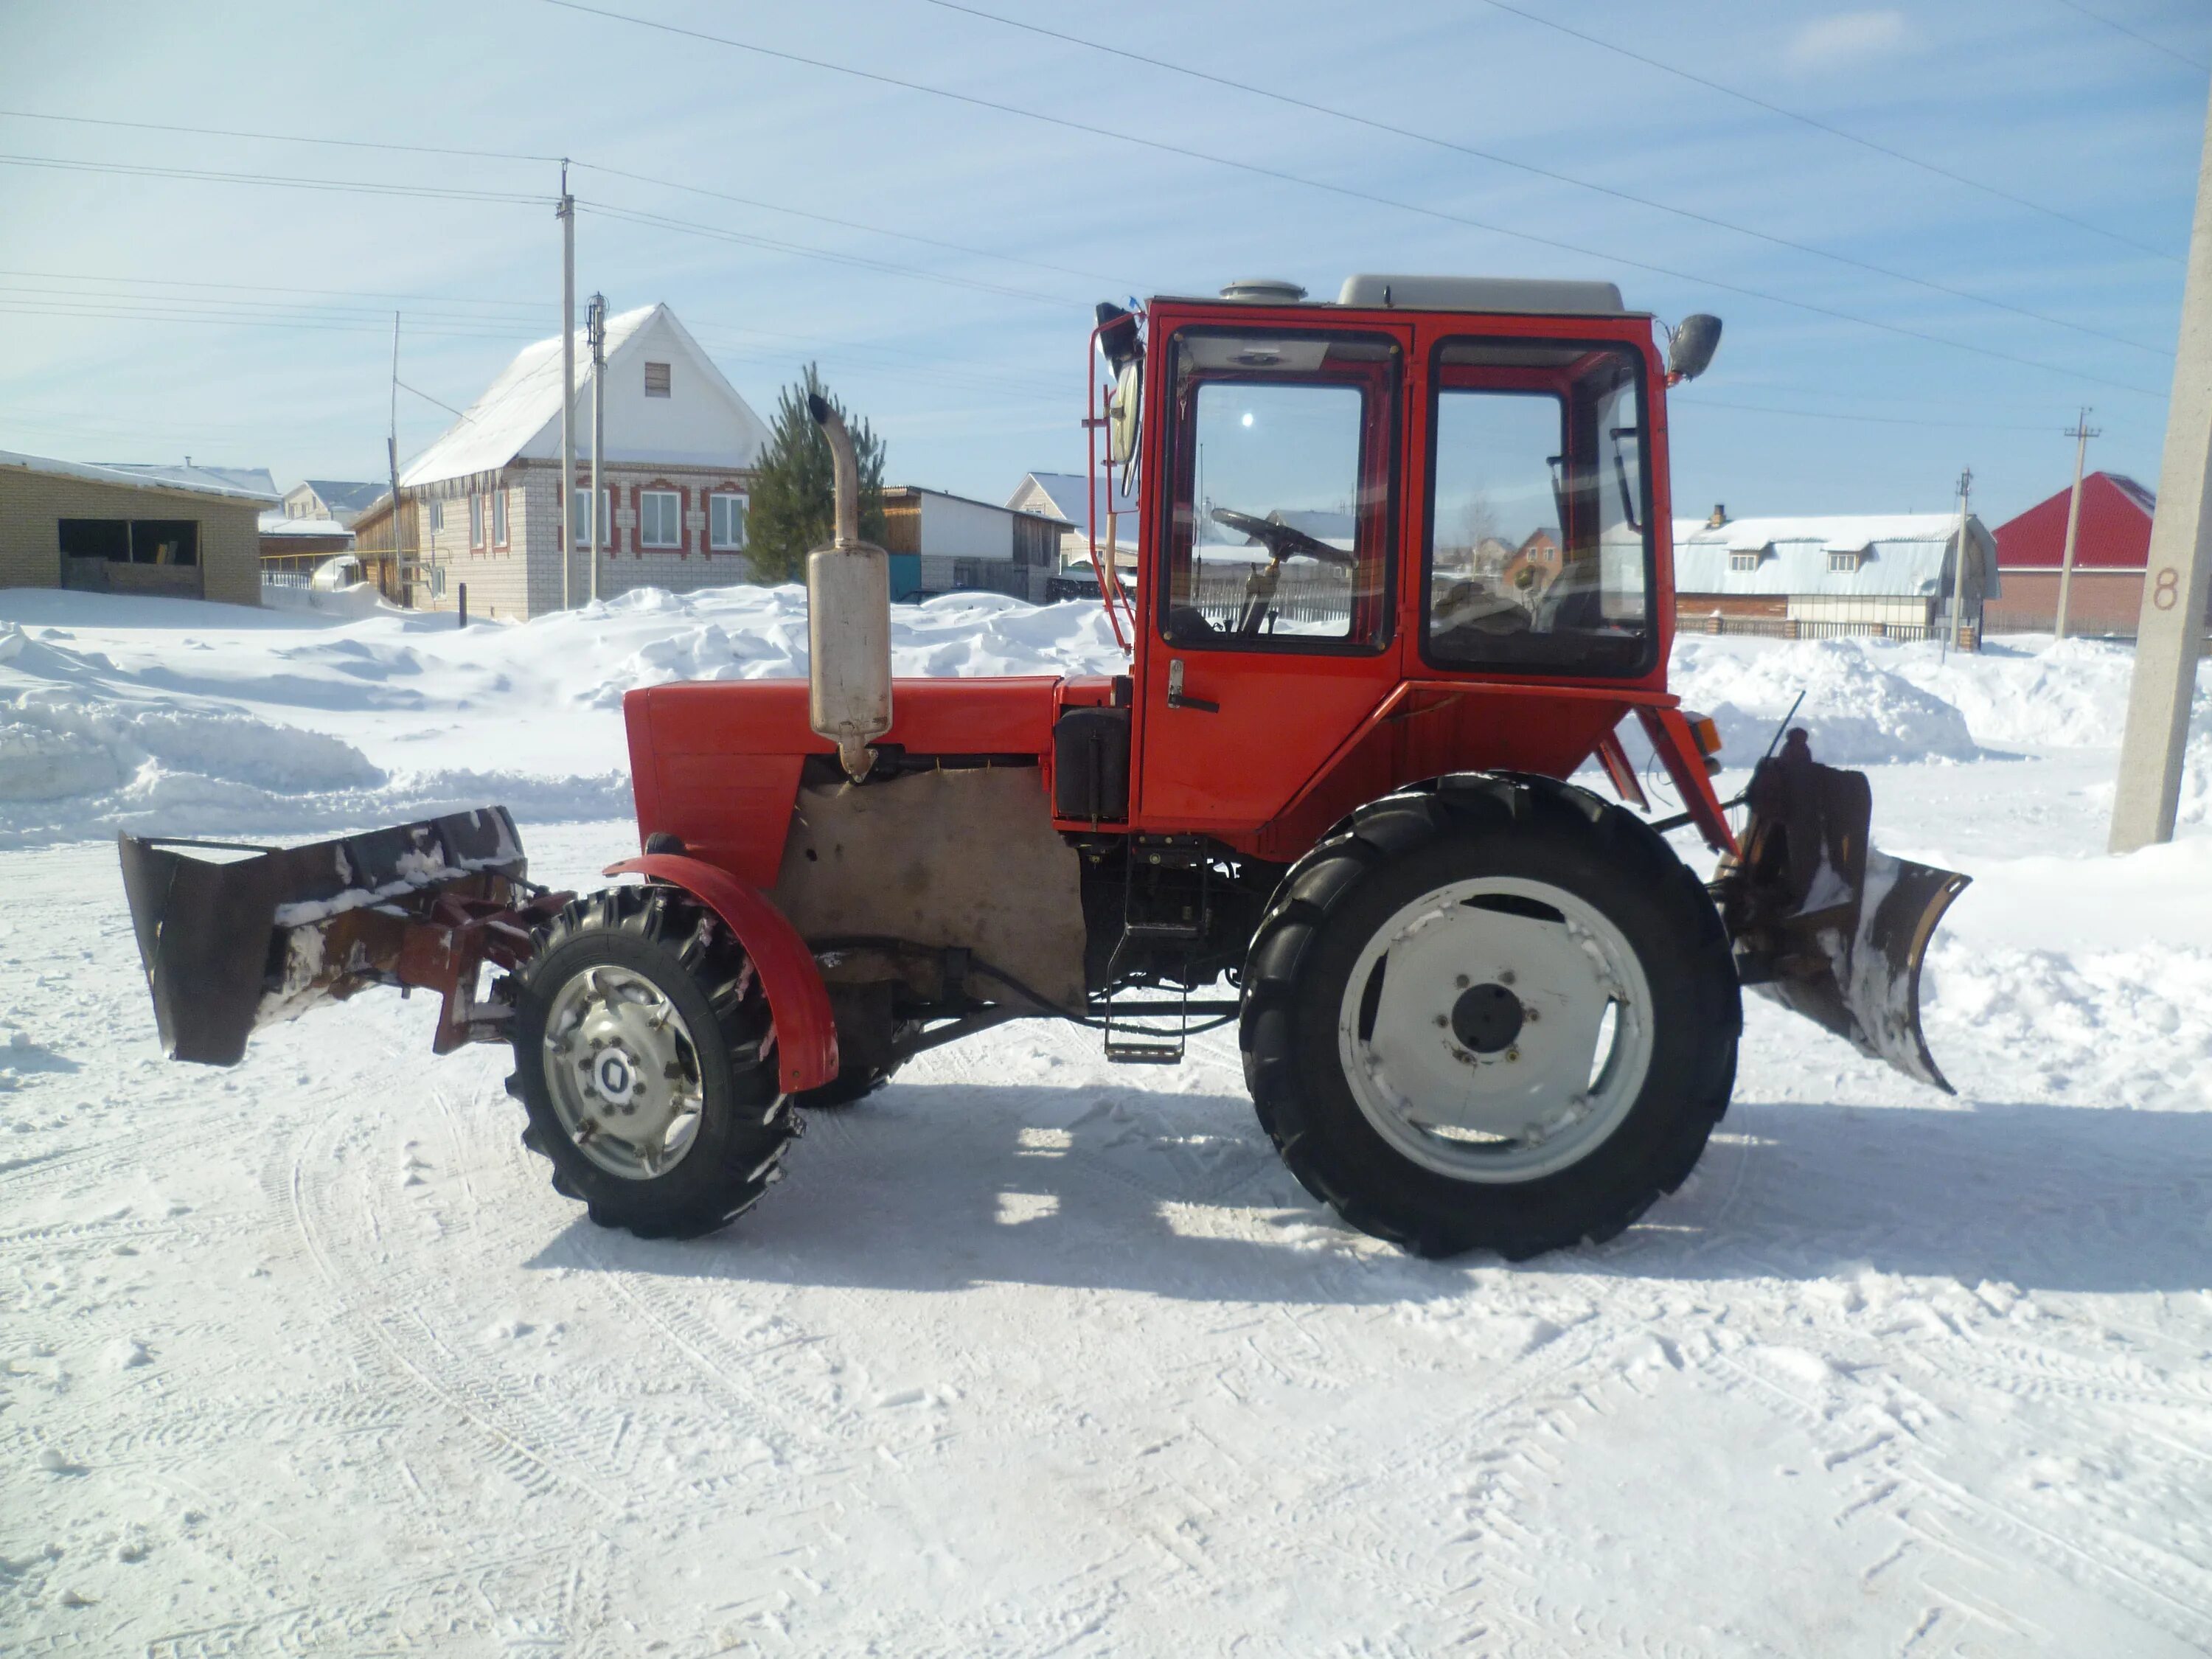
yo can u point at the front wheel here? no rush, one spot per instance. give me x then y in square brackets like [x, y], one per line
[1496, 1014]
[640, 1029]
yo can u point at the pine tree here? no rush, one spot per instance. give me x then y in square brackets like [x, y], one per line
[794, 509]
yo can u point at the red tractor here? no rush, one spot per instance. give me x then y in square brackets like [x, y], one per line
[1401, 568]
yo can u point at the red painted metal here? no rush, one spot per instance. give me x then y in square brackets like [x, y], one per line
[805, 1033]
[1300, 737]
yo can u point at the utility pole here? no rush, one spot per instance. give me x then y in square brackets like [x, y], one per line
[596, 324]
[567, 214]
[2081, 432]
[1949, 601]
[391, 454]
[2170, 631]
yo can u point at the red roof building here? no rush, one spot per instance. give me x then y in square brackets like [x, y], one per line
[2110, 552]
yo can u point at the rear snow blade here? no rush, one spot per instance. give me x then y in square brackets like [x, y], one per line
[233, 944]
[1824, 925]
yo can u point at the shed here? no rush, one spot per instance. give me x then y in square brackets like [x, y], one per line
[941, 543]
[1078, 502]
[176, 532]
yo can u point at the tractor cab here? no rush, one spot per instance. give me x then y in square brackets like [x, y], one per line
[1421, 507]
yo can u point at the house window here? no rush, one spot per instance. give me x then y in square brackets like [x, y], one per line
[580, 512]
[1744, 561]
[476, 519]
[660, 519]
[499, 518]
[1845, 560]
[437, 516]
[726, 522]
[656, 379]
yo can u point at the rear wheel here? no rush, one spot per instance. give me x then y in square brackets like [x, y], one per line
[638, 1036]
[1496, 1014]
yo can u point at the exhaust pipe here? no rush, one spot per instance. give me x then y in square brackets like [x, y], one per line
[848, 617]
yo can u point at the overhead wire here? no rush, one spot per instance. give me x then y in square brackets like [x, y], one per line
[1690, 214]
[1351, 192]
[634, 216]
[354, 186]
[1814, 122]
[1678, 401]
[281, 138]
[2133, 34]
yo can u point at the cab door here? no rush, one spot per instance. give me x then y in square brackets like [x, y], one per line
[1267, 604]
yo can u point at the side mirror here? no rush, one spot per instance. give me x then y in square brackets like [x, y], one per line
[1691, 347]
[1124, 412]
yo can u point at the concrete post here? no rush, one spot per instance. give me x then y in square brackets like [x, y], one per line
[568, 215]
[2082, 434]
[2170, 630]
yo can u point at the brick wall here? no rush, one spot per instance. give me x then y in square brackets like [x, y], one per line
[1689, 607]
[2103, 602]
[33, 505]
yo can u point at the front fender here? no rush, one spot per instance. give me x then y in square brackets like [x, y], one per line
[805, 1031]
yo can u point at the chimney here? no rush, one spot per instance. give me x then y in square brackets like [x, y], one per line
[1720, 516]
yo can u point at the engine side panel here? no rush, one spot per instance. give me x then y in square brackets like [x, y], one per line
[717, 763]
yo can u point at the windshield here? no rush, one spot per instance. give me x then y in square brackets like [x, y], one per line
[1539, 541]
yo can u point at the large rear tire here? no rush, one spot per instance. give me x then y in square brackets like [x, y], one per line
[1492, 1013]
[638, 1033]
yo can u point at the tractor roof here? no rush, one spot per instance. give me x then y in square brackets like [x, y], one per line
[1527, 296]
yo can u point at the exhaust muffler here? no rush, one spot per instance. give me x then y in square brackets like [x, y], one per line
[848, 617]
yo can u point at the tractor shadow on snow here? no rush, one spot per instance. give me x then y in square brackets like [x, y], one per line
[943, 1186]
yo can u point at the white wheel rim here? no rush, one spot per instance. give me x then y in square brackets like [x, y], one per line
[622, 1072]
[1509, 1037]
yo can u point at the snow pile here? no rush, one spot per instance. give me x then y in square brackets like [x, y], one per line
[76, 761]
[1857, 711]
[752, 634]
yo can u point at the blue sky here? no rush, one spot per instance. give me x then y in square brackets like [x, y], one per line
[146, 317]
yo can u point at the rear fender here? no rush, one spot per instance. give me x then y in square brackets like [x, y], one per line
[798, 1002]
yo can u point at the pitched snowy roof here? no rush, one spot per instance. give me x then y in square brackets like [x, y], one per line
[188, 481]
[518, 415]
[233, 480]
[1061, 494]
[1899, 554]
[275, 523]
[346, 496]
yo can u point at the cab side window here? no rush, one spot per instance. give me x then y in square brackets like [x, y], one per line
[1281, 452]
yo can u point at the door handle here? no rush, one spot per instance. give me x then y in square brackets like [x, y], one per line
[1176, 698]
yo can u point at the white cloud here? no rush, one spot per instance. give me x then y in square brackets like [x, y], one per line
[1849, 38]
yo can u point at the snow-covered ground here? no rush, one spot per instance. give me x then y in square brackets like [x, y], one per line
[1034, 1355]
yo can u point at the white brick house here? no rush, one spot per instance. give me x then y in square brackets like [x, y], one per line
[681, 447]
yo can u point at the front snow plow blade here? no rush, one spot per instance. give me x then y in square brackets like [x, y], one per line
[231, 944]
[1823, 923]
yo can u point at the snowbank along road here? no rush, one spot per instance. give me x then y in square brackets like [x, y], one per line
[1024, 1358]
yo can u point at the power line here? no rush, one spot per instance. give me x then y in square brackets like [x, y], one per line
[1348, 191]
[1811, 121]
[845, 224]
[2155, 45]
[1557, 177]
[520, 156]
[633, 215]
[355, 186]
[266, 287]
[281, 138]
[1679, 402]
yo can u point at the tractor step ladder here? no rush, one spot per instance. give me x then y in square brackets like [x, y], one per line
[1166, 899]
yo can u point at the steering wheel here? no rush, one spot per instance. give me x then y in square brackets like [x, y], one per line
[1282, 540]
